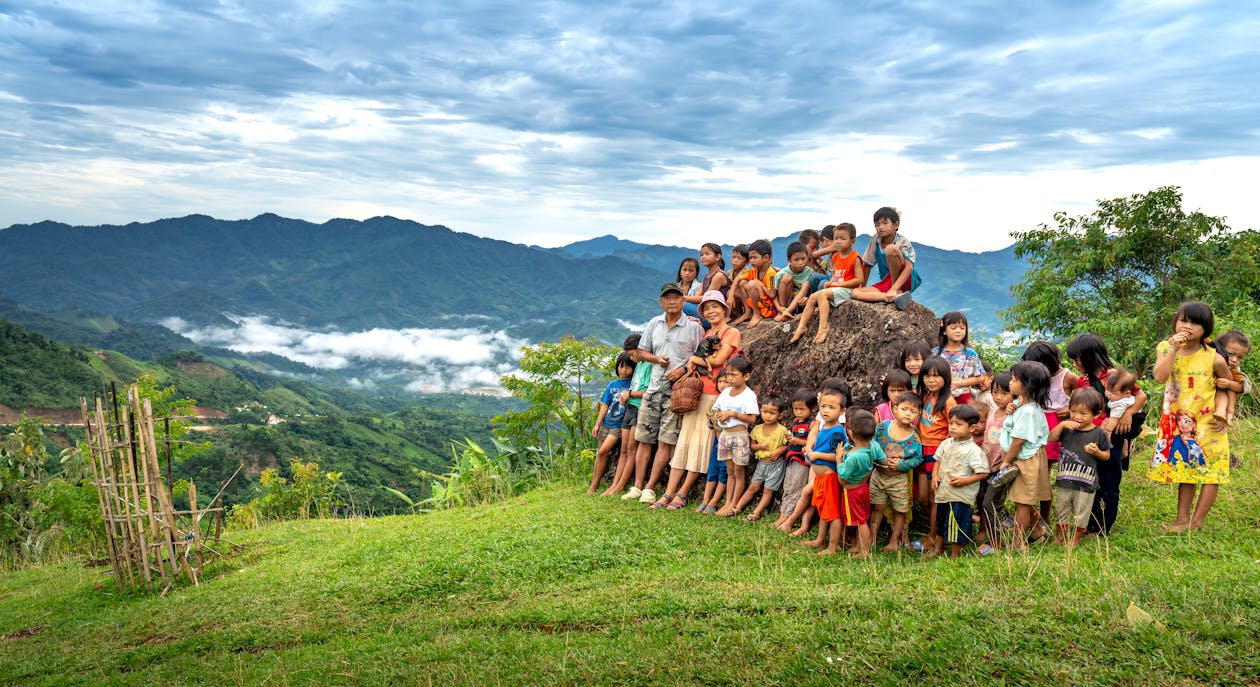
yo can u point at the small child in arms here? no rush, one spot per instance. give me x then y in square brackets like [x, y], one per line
[1233, 346]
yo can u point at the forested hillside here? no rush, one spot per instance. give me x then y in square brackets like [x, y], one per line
[261, 422]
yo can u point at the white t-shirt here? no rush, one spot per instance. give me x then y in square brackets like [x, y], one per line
[1119, 406]
[744, 403]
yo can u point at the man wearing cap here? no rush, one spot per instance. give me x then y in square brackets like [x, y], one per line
[668, 341]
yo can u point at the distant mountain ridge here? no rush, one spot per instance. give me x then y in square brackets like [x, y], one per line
[383, 272]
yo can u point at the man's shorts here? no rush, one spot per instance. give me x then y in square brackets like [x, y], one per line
[770, 475]
[894, 489]
[827, 496]
[735, 447]
[953, 522]
[631, 418]
[855, 505]
[656, 421]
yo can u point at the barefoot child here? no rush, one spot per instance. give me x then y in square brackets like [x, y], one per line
[890, 483]
[1023, 440]
[756, 288]
[1191, 449]
[612, 411]
[796, 477]
[632, 398]
[892, 258]
[769, 444]
[854, 472]
[735, 411]
[824, 453]
[993, 498]
[960, 467]
[847, 274]
[716, 477]
[805, 510]
[792, 283]
[934, 389]
[1082, 445]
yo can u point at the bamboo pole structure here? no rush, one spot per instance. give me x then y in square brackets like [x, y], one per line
[143, 530]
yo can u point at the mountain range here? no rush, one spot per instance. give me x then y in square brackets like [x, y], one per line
[114, 287]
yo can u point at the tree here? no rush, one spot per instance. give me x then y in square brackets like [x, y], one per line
[557, 381]
[1121, 271]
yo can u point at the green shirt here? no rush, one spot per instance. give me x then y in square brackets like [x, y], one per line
[639, 381]
[858, 463]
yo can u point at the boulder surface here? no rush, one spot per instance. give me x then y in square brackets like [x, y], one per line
[865, 342]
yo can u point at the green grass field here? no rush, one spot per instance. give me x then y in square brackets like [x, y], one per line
[560, 588]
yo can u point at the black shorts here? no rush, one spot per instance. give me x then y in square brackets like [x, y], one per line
[953, 522]
[631, 418]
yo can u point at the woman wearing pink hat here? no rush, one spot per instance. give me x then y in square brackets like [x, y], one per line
[695, 439]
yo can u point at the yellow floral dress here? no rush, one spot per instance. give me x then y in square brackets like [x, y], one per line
[1187, 449]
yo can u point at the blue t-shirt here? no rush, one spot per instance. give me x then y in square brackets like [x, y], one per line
[612, 399]
[829, 440]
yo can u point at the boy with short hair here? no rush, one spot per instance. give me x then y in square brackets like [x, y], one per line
[792, 283]
[608, 422]
[847, 274]
[960, 466]
[824, 453]
[890, 483]
[769, 444]
[1083, 445]
[854, 474]
[735, 410]
[892, 256]
[756, 287]
[804, 405]
[632, 399]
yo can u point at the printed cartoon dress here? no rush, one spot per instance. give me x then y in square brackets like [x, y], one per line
[1188, 450]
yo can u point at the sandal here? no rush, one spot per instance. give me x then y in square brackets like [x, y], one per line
[662, 501]
[677, 502]
[710, 510]
[751, 518]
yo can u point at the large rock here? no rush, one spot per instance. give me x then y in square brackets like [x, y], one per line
[865, 342]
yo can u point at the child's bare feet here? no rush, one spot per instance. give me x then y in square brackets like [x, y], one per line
[812, 543]
[800, 531]
[861, 554]
[796, 335]
[893, 547]
[1175, 526]
[785, 525]
[823, 331]
[829, 551]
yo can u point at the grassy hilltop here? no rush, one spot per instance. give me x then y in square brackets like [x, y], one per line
[559, 588]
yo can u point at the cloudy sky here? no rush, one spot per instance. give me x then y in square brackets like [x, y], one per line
[673, 123]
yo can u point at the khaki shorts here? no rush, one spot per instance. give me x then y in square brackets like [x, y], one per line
[1073, 506]
[657, 423]
[894, 489]
[1033, 484]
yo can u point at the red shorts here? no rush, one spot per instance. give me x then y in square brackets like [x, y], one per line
[827, 496]
[929, 461]
[855, 505]
[885, 284]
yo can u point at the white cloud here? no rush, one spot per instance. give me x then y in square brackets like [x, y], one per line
[435, 359]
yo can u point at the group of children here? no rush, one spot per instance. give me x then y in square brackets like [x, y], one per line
[951, 435]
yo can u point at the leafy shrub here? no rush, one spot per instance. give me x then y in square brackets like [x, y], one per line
[308, 493]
